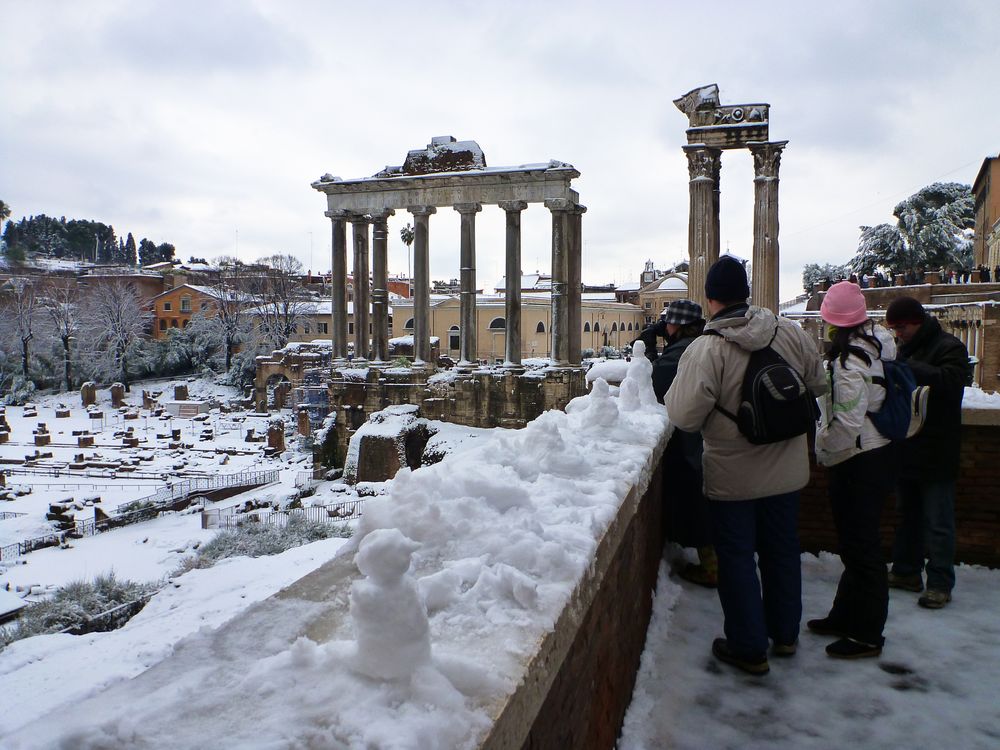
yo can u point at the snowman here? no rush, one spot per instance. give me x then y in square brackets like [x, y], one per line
[389, 616]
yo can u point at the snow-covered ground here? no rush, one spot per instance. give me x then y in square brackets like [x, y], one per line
[935, 685]
[498, 532]
[499, 535]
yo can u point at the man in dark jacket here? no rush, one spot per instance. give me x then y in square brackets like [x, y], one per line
[685, 509]
[648, 336]
[925, 490]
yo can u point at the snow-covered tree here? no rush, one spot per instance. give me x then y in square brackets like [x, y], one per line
[282, 299]
[118, 320]
[814, 273]
[61, 303]
[230, 321]
[933, 230]
[20, 309]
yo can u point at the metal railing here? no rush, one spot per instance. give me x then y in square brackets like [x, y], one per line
[151, 507]
[5, 514]
[335, 513]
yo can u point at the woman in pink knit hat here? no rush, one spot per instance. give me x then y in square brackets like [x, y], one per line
[860, 471]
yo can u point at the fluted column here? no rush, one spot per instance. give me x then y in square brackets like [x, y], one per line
[704, 165]
[362, 297]
[766, 160]
[560, 208]
[338, 292]
[512, 281]
[575, 285]
[380, 288]
[468, 353]
[421, 284]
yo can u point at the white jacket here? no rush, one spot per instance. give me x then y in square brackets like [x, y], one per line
[845, 429]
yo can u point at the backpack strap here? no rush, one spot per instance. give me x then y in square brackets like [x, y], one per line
[718, 406]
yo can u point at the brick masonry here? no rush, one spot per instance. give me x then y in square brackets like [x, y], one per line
[977, 505]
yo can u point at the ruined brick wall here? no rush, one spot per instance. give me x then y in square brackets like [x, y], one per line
[977, 506]
[586, 704]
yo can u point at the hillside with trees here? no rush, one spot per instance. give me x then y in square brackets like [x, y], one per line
[44, 236]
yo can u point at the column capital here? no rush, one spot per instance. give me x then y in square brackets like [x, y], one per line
[421, 210]
[381, 214]
[339, 215]
[766, 157]
[579, 210]
[468, 208]
[513, 205]
[704, 163]
[559, 204]
[361, 219]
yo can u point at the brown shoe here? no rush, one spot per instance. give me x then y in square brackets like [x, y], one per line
[934, 599]
[699, 575]
[755, 666]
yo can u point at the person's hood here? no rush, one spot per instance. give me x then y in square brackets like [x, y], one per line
[752, 330]
[885, 338]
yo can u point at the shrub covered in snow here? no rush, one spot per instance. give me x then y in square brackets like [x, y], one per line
[72, 604]
[259, 539]
[21, 392]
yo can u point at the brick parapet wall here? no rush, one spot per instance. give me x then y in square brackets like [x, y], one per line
[977, 505]
[579, 683]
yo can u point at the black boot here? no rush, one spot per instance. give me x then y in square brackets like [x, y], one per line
[847, 648]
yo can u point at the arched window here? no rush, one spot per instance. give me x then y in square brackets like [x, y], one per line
[630, 326]
[408, 325]
[586, 327]
[540, 328]
[454, 340]
[498, 324]
[614, 328]
[597, 327]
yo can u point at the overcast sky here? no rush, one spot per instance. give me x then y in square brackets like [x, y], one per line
[203, 123]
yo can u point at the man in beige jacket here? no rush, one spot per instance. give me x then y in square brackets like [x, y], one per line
[753, 490]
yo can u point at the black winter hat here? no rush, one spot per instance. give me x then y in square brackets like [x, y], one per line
[727, 281]
[904, 310]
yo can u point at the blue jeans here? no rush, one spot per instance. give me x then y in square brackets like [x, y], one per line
[771, 606]
[926, 530]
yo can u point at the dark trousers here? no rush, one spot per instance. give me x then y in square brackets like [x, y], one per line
[771, 606]
[926, 529]
[858, 488]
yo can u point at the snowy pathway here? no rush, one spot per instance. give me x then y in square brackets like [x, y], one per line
[935, 685]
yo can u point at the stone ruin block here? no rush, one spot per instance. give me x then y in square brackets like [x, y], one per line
[276, 435]
[117, 395]
[131, 415]
[393, 438]
[62, 412]
[85, 441]
[181, 392]
[130, 441]
[4, 436]
[88, 393]
[302, 422]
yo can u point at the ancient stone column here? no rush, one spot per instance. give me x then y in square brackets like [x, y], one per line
[704, 165]
[575, 282]
[560, 208]
[468, 353]
[362, 280]
[512, 281]
[338, 292]
[380, 289]
[421, 285]
[766, 160]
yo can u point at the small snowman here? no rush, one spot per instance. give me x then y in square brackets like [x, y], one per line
[389, 616]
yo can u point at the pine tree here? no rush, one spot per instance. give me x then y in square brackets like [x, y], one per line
[131, 256]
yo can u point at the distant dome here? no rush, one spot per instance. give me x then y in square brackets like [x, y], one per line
[673, 284]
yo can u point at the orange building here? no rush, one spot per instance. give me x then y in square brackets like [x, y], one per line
[175, 307]
[986, 190]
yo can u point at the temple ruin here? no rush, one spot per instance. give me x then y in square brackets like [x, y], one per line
[714, 127]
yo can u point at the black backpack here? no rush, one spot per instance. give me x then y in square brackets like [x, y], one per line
[776, 403]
